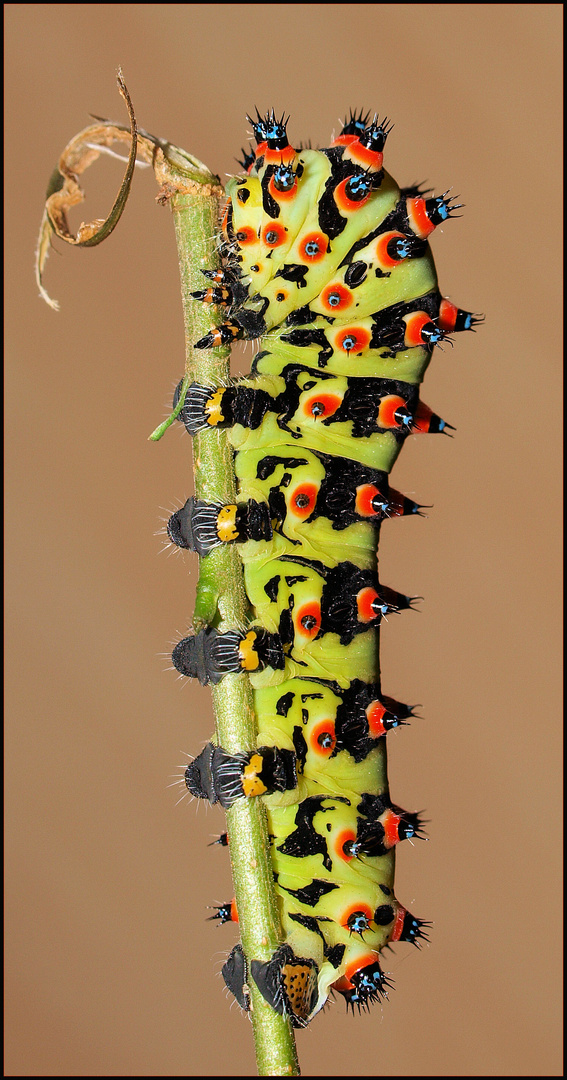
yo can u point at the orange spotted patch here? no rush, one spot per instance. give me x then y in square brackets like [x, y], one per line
[299, 984]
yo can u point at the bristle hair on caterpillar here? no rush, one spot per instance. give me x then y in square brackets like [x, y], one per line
[326, 262]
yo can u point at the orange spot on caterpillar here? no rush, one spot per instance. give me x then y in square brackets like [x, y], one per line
[343, 842]
[399, 924]
[418, 218]
[414, 325]
[273, 234]
[363, 155]
[353, 339]
[246, 235]
[390, 822]
[336, 297]
[345, 983]
[365, 604]
[342, 200]
[391, 412]
[374, 713]
[303, 500]
[357, 918]
[278, 194]
[322, 738]
[308, 619]
[277, 157]
[447, 315]
[365, 494]
[320, 406]
[382, 254]
[313, 247]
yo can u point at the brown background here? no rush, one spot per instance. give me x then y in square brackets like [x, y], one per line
[111, 968]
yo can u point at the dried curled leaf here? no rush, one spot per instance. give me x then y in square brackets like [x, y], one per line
[176, 171]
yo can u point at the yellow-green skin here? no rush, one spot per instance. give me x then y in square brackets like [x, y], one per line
[366, 882]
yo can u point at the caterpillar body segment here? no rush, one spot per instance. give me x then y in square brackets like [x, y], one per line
[326, 261]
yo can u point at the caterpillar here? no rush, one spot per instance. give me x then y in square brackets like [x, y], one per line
[325, 261]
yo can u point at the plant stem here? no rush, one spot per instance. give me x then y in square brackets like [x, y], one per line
[221, 600]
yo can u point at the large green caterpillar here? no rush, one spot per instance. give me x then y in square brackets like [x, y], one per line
[327, 262]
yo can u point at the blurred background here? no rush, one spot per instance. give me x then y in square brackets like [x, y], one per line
[111, 968]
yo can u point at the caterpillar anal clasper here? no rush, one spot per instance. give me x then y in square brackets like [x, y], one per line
[326, 261]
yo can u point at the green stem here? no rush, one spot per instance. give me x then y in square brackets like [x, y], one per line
[221, 599]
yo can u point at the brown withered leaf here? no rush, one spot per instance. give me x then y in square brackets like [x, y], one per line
[176, 171]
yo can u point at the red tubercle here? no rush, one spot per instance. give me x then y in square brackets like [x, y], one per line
[398, 923]
[353, 339]
[273, 234]
[259, 152]
[447, 315]
[371, 160]
[387, 411]
[422, 418]
[342, 200]
[414, 325]
[355, 909]
[320, 406]
[303, 500]
[342, 839]
[336, 297]
[390, 821]
[313, 247]
[374, 713]
[246, 235]
[322, 738]
[418, 217]
[345, 982]
[397, 504]
[307, 619]
[278, 157]
[282, 196]
[365, 601]
[385, 260]
[344, 140]
[426, 421]
[365, 493]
